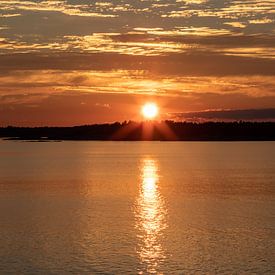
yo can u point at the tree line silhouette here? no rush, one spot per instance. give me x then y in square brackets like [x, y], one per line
[148, 130]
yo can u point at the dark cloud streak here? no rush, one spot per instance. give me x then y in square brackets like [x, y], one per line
[249, 114]
[200, 64]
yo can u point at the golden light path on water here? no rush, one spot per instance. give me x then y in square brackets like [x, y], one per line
[150, 217]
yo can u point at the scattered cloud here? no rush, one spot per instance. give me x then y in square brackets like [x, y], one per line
[261, 21]
[51, 6]
[104, 55]
[236, 24]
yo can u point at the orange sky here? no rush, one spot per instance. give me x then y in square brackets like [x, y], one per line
[76, 62]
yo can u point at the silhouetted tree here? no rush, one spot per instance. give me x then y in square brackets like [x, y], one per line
[164, 130]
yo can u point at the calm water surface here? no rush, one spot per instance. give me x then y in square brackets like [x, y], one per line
[137, 207]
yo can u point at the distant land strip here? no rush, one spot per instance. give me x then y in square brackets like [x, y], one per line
[148, 130]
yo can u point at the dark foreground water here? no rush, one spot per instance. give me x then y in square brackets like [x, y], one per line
[137, 207]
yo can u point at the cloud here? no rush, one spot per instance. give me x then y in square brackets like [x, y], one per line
[198, 64]
[234, 9]
[74, 108]
[248, 114]
[183, 26]
[86, 55]
[176, 92]
[236, 24]
[7, 15]
[261, 21]
[51, 6]
[150, 42]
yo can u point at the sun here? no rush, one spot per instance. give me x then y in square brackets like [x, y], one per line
[149, 110]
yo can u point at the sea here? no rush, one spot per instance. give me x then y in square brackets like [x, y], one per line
[91, 207]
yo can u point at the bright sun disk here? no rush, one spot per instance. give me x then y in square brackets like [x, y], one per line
[150, 110]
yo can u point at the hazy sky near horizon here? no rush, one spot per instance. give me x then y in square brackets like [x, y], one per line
[81, 62]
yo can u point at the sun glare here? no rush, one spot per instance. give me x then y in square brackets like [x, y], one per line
[149, 110]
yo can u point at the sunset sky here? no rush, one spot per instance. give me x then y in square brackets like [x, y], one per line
[81, 62]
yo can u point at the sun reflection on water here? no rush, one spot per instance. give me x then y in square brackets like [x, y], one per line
[150, 217]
